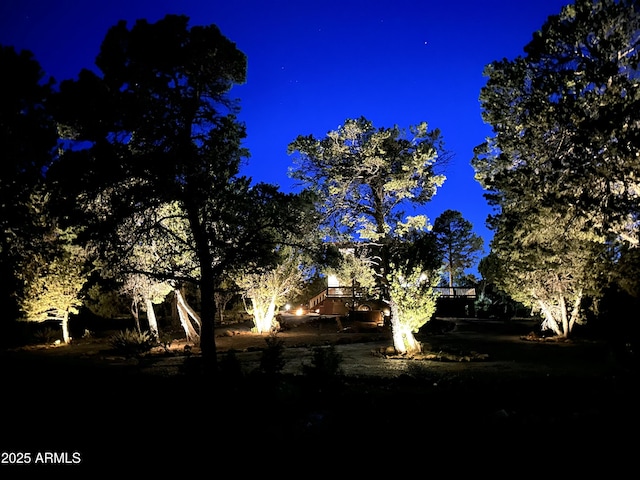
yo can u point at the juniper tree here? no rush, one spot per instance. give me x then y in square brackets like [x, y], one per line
[565, 119]
[367, 178]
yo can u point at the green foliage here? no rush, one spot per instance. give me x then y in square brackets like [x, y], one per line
[156, 244]
[356, 267]
[565, 117]
[492, 303]
[54, 277]
[563, 164]
[626, 272]
[549, 262]
[272, 359]
[413, 269]
[132, 342]
[366, 176]
[46, 335]
[28, 138]
[104, 301]
[310, 287]
[326, 363]
[165, 340]
[457, 243]
[187, 159]
[269, 289]
[413, 295]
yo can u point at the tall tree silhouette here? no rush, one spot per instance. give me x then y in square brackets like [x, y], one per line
[457, 243]
[158, 126]
[28, 138]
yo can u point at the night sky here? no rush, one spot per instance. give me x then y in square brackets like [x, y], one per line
[312, 65]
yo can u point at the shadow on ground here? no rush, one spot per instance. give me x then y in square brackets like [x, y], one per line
[523, 399]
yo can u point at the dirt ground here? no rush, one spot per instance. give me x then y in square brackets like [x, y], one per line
[451, 346]
[461, 347]
[484, 396]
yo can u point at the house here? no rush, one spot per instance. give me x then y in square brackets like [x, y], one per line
[340, 300]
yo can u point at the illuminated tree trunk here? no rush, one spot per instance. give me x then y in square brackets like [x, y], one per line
[557, 318]
[136, 315]
[404, 341]
[575, 313]
[66, 338]
[151, 318]
[451, 291]
[184, 312]
[549, 318]
[564, 320]
[263, 315]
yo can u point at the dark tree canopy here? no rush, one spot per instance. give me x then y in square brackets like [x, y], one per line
[563, 163]
[368, 176]
[160, 109]
[457, 243]
[566, 117]
[158, 127]
[28, 138]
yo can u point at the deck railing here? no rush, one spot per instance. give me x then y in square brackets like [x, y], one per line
[333, 292]
[465, 292]
[351, 292]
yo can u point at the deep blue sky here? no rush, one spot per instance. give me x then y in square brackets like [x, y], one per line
[313, 64]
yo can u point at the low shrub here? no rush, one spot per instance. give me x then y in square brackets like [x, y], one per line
[230, 367]
[272, 360]
[165, 341]
[46, 335]
[326, 362]
[132, 342]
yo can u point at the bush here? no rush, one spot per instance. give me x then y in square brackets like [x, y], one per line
[46, 335]
[165, 341]
[132, 342]
[326, 362]
[272, 360]
[230, 367]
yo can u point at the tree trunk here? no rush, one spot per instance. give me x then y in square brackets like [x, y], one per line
[220, 307]
[575, 313]
[192, 313]
[136, 316]
[151, 318]
[64, 321]
[404, 341]
[208, 283]
[183, 314]
[189, 332]
[208, 316]
[263, 317]
[550, 321]
[222, 299]
[563, 315]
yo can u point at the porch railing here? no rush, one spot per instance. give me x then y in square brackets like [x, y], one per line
[466, 292]
[350, 292]
[333, 292]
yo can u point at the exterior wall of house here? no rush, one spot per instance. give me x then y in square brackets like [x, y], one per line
[333, 306]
